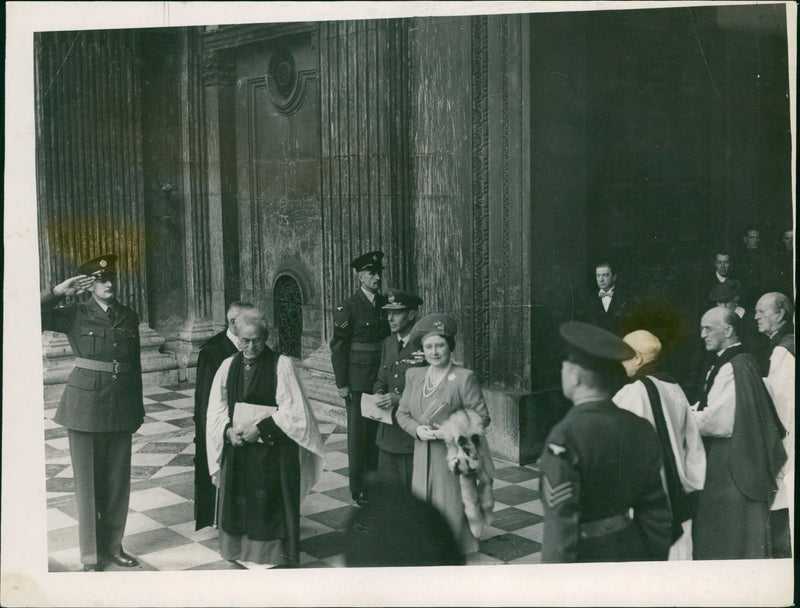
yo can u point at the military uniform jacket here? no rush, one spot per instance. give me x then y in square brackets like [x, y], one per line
[392, 379]
[358, 330]
[96, 401]
[598, 462]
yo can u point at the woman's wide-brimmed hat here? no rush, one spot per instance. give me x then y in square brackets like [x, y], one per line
[434, 325]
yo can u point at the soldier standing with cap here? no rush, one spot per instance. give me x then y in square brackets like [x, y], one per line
[600, 462]
[358, 331]
[395, 446]
[101, 405]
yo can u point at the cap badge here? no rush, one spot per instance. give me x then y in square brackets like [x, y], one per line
[103, 263]
[439, 325]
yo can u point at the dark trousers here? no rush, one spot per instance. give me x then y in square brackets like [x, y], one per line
[362, 453]
[102, 469]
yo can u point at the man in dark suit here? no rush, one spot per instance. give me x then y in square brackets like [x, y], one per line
[609, 309]
[212, 354]
[101, 406]
[752, 266]
[395, 446]
[359, 328]
[600, 462]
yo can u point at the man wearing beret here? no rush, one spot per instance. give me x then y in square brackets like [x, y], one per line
[359, 329]
[101, 405]
[600, 462]
[395, 446]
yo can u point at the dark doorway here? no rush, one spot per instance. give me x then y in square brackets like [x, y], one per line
[288, 301]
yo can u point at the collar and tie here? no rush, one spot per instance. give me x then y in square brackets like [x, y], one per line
[112, 315]
[401, 344]
[605, 294]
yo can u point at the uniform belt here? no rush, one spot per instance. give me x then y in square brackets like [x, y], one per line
[601, 527]
[374, 347]
[113, 367]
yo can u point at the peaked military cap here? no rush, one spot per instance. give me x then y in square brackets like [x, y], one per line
[401, 300]
[368, 261]
[102, 267]
[594, 347]
[725, 291]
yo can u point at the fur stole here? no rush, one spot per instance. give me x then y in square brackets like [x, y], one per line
[469, 457]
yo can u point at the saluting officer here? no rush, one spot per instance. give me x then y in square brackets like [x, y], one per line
[101, 406]
[600, 462]
[359, 328]
[395, 446]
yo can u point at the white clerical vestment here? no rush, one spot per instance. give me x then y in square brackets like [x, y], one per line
[684, 437]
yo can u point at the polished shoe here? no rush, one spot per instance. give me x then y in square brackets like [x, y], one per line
[91, 568]
[360, 498]
[123, 559]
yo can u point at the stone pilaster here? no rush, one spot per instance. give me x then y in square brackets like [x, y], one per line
[203, 318]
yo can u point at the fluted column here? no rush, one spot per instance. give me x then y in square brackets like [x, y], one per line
[89, 156]
[198, 259]
[218, 78]
[364, 152]
[90, 179]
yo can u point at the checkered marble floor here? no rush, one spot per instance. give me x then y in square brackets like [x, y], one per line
[160, 529]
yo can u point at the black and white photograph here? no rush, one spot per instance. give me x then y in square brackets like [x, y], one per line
[363, 303]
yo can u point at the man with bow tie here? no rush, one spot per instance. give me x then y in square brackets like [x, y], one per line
[608, 308]
[101, 406]
[395, 446]
[359, 329]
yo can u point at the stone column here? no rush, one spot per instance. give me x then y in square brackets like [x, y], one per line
[218, 77]
[199, 262]
[89, 176]
[363, 85]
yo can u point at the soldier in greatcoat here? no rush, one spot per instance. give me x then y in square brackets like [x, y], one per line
[101, 405]
[395, 446]
[600, 463]
[359, 328]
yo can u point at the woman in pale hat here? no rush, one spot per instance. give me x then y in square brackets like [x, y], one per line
[430, 396]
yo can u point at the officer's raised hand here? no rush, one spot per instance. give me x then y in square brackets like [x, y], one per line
[74, 285]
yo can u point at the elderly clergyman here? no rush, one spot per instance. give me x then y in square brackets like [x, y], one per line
[264, 463]
[744, 451]
[773, 315]
[655, 396]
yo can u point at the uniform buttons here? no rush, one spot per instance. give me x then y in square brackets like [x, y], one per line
[395, 376]
[397, 390]
[115, 343]
[114, 377]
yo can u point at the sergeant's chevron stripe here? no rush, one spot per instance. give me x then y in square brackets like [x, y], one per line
[342, 325]
[555, 495]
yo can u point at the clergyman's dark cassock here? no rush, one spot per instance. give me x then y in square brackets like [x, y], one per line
[732, 514]
[260, 481]
[212, 354]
